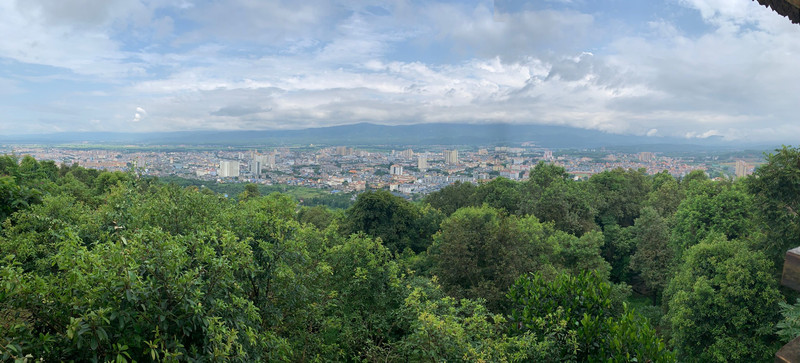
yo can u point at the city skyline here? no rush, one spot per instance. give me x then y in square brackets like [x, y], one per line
[413, 170]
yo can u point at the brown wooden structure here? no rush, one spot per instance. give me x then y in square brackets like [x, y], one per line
[791, 279]
[787, 8]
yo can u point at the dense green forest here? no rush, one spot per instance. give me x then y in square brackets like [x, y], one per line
[305, 196]
[623, 267]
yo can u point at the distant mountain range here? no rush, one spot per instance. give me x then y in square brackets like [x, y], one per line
[366, 134]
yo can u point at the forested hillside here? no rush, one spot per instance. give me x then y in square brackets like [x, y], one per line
[622, 267]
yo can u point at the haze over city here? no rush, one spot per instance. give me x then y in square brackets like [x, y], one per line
[676, 68]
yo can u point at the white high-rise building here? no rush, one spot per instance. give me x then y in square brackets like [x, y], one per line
[255, 167]
[741, 168]
[422, 163]
[344, 151]
[450, 156]
[396, 170]
[266, 161]
[646, 156]
[228, 169]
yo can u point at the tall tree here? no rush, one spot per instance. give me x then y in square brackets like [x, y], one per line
[544, 174]
[653, 257]
[620, 195]
[666, 195]
[567, 204]
[552, 196]
[452, 197]
[617, 250]
[479, 252]
[711, 207]
[398, 222]
[577, 312]
[775, 187]
[500, 193]
[723, 303]
[250, 191]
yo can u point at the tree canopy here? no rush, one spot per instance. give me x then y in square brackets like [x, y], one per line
[102, 266]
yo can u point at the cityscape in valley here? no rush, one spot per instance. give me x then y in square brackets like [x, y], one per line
[399, 181]
[412, 170]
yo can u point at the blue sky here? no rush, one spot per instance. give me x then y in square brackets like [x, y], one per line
[686, 68]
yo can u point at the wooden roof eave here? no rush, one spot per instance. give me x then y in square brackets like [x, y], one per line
[787, 8]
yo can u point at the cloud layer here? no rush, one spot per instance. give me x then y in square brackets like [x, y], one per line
[688, 68]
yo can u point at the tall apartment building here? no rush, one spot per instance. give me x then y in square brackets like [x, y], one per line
[344, 151]
[646, 156]
[422, 163]
[255, 167]
[228, 169]
[450, 156]
[741, 168]
[396, 170]
[260, 162]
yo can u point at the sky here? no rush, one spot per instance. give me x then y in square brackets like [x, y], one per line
[678, 68]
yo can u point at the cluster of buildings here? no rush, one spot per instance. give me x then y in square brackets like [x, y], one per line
[347, 169]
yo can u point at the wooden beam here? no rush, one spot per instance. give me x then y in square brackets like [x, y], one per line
[791, 269]
[789, 353]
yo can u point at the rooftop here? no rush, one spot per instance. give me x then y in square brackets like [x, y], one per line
[787, 8]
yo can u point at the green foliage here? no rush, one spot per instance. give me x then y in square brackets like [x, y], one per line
[789, 327]
[621, 195]
[151, 295]
[479, 252]
[580, 254]
[577, 313]
[452, 197]
[443, 329]
[723, 303]
[176, 210]
[567, 204]
[775, 187]
[14, 197]
[692, 177]
[617, 251]
[365, 291]
[111, 266]
[653, 257]
[9, 164]
[396, 221]
[544, 174]
[666, 195]
[106, 180]
[553, 196]
[250, 191]
[711, 207]
[319, 216]
[306, 196]
[499, 193]
[33, 235]
[70, 185]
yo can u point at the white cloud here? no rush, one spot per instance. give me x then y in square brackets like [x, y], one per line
[248, 64]
[703, 135]
[139, 115]
[479, 29]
